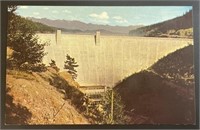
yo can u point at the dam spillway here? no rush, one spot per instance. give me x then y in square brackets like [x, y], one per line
[112, 59]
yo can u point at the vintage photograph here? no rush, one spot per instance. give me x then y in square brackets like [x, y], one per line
[97, 65]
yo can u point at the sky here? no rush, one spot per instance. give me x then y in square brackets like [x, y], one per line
[106, 15]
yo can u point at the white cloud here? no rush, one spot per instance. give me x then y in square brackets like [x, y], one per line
[23, 7]
[97, 21]
[102, 16]
[54, 11]
[119, 19]
[66, 11]
[45, 8]
[38, 17]
[36, 13]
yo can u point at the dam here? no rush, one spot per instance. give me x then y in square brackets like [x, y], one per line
[106, 60]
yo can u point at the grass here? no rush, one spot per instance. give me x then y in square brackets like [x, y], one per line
[20, 74]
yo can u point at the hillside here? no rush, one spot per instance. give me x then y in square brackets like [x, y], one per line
[42, 28]
[39, 98]
[178, 67]
[177, 27]
[163, 94]
[36, 26]
[74, 26]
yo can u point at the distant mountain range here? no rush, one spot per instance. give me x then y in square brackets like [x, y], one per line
[177, 27]
[81, 27]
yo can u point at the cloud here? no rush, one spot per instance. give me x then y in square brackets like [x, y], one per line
[38, 17]
[102, 16]
[54, 11]
[36, 13]
[45, 8]
[23, 7]
[97, 21]
[119, 19]
[66, 11]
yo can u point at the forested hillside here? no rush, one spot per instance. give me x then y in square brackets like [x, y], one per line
[177, 27]
[36, 26]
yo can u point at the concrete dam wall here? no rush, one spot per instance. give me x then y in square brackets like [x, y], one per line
[105, 60]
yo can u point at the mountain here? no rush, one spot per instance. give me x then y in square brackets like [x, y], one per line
[162, 94]
[78, 31]
[70, 26]
[178, 27]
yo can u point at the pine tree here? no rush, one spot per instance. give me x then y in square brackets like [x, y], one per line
[12, 26]
[21, 38]
[118, 108]
[53, 65]
[70, 65]
[102, 112]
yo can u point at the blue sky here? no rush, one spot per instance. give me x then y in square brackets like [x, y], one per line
[111, 15]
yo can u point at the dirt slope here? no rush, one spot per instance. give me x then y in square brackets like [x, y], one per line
[30, 99]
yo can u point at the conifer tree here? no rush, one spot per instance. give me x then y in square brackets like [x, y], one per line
[70, 65]
[53, 65]
[118, 108]
[21, 38]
